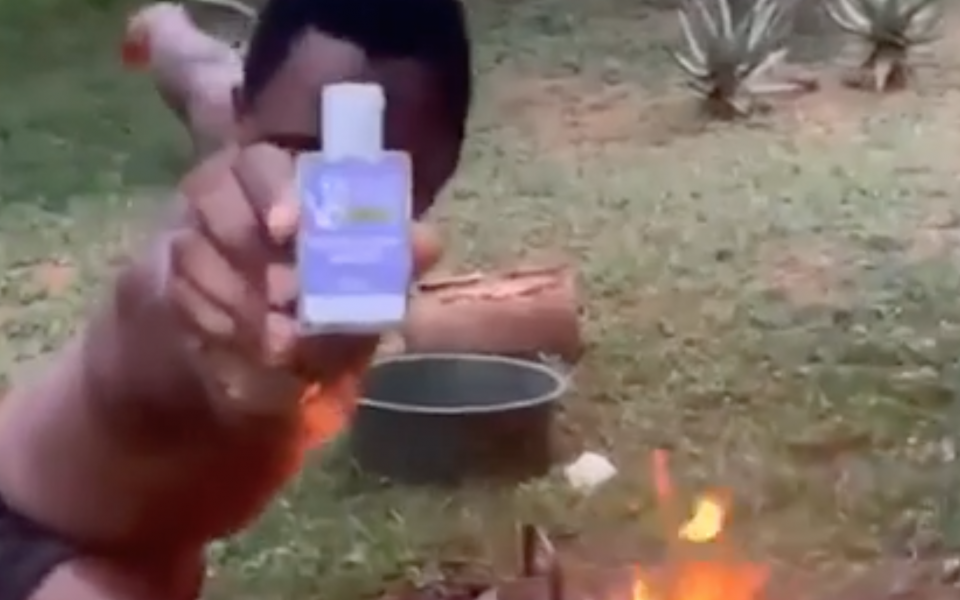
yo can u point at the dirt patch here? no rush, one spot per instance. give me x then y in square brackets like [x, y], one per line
[937, 236]
[832, 113]
[54, 277]
[807, 274]
[947, 48]
[574, 115]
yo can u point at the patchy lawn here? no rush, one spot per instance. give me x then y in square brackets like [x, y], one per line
[776, 301]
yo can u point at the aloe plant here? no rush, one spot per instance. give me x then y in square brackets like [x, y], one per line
[724, 56]
[890, 28]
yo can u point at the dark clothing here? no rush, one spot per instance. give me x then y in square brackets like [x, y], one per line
[28, 554]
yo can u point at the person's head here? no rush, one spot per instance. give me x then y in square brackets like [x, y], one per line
[418, 50]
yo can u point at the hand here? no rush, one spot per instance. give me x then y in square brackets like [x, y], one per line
[232, 281]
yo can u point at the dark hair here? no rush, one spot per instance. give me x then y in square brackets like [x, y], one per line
[433, 32]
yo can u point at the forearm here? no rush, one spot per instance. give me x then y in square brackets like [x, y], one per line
[135, 367]
[140, 374]
[121, 369]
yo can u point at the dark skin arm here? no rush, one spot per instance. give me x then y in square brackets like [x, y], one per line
[94, 579]
[126, 401]
[200, 372]
[116, 398]
[89, 580]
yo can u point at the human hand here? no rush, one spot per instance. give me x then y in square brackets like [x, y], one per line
[232, 282]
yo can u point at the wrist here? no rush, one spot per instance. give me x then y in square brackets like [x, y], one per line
[144, 356]
[135, 368]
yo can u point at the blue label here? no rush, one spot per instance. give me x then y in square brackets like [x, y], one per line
[354, 233]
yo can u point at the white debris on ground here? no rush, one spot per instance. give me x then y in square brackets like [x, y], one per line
[589, 471]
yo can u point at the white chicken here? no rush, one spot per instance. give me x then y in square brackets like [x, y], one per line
[194, 72]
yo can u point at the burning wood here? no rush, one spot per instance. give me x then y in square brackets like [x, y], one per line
[194, 72]
[537, 553]
[699, 565]
[540, 559]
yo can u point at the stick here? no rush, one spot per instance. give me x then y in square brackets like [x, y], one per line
[666, 497]
[535, 550]
[528, 550]
[556, 585]
[670, 517]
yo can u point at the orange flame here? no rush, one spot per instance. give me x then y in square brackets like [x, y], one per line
[326, 411]
[661, 475]
[707, 521]
[688, 578]
[709, 580]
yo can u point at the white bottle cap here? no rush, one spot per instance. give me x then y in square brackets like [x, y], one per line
[352, 120]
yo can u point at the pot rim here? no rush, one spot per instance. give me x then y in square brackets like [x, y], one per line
[560, 380]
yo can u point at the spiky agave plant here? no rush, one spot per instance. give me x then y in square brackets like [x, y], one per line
[725, 55]
[890, 28]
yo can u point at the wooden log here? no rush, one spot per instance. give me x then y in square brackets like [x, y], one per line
[526, 312]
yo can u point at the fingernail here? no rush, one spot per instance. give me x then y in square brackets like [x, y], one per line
[283, 217]
[279, 340]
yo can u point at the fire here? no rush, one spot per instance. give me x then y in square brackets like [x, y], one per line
[707, 521]
[326, 411]
[688, 575]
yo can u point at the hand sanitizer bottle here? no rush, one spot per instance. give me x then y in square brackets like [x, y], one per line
[353, 247]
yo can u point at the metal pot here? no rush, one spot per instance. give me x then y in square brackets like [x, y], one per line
[441, 419]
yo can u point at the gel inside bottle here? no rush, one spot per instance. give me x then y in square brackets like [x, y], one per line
[353, 246]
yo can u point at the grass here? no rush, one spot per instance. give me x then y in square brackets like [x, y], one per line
[776, 301]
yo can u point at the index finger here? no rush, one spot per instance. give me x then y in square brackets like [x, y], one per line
[266, 174]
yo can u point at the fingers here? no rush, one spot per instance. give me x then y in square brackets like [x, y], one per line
[237, 204]
[216, 298]
[266, 175]
[280, 336]
[231, 224]
[427, 248]
[283, 217]
[233, 276]
[201, 314]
